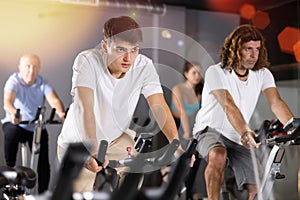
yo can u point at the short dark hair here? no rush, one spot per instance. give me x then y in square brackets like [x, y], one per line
[124, 28]
[233, 44]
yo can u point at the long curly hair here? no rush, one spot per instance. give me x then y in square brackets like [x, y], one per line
[230, 51]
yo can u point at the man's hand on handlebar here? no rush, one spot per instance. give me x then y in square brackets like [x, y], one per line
[62, 116]
[248, 139]
[180, 151]
[16, 118]
[292, 124]
[93, 166]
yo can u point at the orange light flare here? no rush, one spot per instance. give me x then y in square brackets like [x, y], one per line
[224, 5]
[261, 20]
[296, 49]
[287, 38]
[247, 11]
[46, 28]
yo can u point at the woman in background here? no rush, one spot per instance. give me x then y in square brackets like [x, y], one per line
[186, 100]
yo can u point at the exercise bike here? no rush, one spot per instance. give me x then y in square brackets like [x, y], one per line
[168, 191]
[145, 132]
[39, 122]
[77, 154]
[14, 181]
[108, 179]
[17, 182]
[142, 163]
[272, 136]
[277, 138]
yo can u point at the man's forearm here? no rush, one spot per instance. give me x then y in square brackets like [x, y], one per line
[163, 116]
[168, 126]
[282, 112]
[236, 119]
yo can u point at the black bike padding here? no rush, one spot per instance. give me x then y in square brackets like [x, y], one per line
[73, 161]
[26, 176]
[102, 152]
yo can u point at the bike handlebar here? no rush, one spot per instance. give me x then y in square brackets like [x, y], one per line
[292, 134]
[176, 178]
[144, 159]
[17, 115]
[39, 111]
[101, 152]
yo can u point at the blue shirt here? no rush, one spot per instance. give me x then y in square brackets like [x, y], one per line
[28, 98]
[189, 108]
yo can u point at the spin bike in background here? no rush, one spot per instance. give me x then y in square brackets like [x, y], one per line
[39, 122]
[15, 181]
[273, 135]
[24, 149]
[20, 181]
[71, 165]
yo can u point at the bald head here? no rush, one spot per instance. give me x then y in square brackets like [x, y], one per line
[32, 57]
[29, 67]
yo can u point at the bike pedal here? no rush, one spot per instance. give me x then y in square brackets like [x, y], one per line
[279, 176]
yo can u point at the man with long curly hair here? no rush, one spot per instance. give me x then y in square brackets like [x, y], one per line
[230, 94]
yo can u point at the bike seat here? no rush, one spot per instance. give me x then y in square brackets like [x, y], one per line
[7, 175]
[18, 175]
[27, 176]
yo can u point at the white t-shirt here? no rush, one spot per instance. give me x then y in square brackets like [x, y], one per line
[115, 100]
[244, 93]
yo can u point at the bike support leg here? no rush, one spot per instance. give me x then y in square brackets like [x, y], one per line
[272, 170]
[24, 154]
[36, 145]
